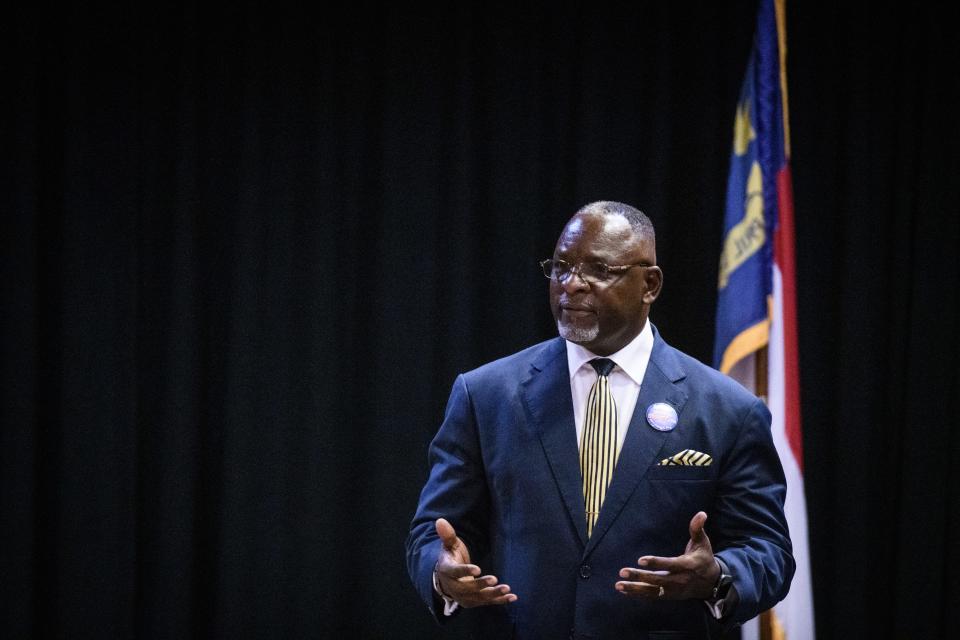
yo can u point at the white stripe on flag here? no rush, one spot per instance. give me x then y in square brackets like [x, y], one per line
[795, 612]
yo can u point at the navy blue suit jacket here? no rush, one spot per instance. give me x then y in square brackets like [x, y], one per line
[505, 473]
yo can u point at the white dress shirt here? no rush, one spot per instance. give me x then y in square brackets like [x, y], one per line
[625, 379]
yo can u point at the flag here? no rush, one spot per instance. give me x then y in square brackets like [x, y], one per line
[756, 308]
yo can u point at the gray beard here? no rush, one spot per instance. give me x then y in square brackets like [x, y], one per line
[577, 334]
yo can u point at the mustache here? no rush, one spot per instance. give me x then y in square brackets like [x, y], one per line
[566, 303]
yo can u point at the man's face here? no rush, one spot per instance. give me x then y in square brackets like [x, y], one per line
[604, 317]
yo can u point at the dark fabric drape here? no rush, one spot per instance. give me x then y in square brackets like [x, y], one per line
[875, 157]
[246, 251]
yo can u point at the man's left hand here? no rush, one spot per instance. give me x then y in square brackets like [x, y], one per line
[692, 575]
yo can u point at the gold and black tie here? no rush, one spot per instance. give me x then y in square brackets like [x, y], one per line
[598, 448]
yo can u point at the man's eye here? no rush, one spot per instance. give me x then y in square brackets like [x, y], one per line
[595, 270]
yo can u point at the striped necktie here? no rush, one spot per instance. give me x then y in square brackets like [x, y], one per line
[598, 448]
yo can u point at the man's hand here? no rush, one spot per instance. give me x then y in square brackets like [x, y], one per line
[692, 575]
[461, 580]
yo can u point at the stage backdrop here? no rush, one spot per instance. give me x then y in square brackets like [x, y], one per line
[246, 251]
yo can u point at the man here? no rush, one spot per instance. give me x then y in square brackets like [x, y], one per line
[572, 484]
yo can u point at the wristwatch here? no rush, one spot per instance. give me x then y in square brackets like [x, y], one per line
[724, 582]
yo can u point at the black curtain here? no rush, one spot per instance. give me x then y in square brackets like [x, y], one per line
[246, 251]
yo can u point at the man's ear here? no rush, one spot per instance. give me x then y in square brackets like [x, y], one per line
[653, 279]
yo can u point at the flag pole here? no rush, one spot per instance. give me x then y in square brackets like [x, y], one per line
[760, 384]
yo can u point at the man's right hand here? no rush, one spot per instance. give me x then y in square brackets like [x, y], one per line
[460, 580]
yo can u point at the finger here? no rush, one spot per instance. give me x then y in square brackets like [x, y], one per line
[457, 571]
[499, 594]
[468, 586]
[489, 593]
[470, 597]
[463, 589]
[641, 589]
[473, 586]
[657, 563]
[656, 578]
[447, 533]
[505, 599]
[499, 599]
[696, 527]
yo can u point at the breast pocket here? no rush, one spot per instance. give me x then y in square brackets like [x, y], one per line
[675, 494]
[681, 473]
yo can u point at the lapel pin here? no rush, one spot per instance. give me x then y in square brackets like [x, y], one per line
[662, 416]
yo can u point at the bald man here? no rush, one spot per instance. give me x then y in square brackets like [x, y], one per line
[601, 484]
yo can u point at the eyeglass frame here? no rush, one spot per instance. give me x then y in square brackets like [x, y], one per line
[577, 269]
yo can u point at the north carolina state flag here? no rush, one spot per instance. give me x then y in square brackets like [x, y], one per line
[757, 284]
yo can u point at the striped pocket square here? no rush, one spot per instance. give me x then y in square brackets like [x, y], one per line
[688, 458]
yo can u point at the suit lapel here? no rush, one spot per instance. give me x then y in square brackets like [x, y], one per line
[643, 443]
[546, 395]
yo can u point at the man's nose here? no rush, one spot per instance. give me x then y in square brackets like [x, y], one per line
[574, 282]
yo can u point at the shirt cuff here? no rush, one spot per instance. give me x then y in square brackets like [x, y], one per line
[449, 604]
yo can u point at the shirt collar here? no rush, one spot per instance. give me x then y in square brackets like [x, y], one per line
[632, 358]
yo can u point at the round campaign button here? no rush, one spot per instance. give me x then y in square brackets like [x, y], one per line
[662, 416]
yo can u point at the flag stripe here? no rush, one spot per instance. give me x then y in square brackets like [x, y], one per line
[783, 251]
[746, 342]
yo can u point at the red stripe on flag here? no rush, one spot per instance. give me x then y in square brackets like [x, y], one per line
[784, 256]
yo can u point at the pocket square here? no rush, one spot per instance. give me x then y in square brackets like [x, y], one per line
[687, 458]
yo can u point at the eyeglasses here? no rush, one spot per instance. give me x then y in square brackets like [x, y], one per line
[590, 272]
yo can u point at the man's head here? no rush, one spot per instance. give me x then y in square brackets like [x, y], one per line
[604, 312]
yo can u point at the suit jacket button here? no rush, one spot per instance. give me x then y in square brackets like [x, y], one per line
[585, 571]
